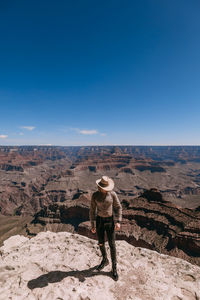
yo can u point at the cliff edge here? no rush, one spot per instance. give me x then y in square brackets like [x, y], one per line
[60, 266]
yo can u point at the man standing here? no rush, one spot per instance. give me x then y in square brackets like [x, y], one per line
[108, 218]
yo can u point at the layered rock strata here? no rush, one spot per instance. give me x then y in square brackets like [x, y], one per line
[34, 176]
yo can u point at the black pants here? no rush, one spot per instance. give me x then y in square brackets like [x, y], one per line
[106, 225]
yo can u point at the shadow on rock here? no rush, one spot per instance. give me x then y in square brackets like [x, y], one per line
[56, 276]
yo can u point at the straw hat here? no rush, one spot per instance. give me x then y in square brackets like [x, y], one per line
[105, 183]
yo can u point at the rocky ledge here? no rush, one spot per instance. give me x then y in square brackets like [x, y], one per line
[61, 266]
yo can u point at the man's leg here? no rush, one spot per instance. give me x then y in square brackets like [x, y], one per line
[110, 230]
[101, 241]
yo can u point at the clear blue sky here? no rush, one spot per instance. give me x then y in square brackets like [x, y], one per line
[100, 72]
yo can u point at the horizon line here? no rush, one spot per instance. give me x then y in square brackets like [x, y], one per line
[100, 145]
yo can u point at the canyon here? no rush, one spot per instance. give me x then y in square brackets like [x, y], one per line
[49, 188]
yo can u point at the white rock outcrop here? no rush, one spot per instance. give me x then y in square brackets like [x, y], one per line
[56, 266]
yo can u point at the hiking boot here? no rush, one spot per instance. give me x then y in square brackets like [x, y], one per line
[103, 263]
[114, 273]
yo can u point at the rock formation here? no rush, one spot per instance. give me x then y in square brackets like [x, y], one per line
[62, 266]
[52, 186]
[34, 176]
[148, 221]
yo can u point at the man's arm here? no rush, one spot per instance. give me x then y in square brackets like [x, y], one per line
[117, 208]
[92, 211]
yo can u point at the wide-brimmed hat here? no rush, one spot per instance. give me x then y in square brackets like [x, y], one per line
[105, 183]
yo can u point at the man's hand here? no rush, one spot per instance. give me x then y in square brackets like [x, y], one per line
[117, 226]
[93, 230]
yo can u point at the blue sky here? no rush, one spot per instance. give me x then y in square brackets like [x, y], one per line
[99, 72]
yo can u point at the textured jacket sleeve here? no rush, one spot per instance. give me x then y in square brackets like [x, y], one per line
[117, 208]
[92, 211]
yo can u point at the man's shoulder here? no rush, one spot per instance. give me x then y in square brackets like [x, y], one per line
[113, 193]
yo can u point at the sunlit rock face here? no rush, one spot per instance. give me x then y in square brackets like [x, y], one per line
[62, 266]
